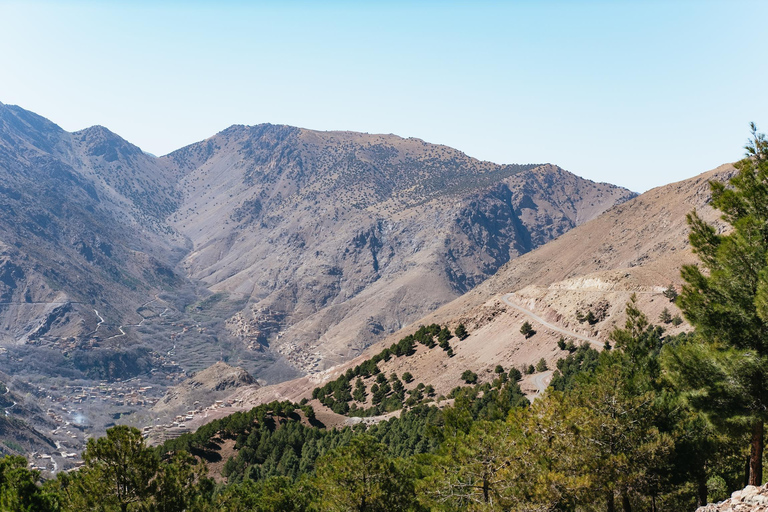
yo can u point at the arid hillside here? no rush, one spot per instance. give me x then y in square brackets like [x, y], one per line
[334, 239]
[634, 248]
[280, 250]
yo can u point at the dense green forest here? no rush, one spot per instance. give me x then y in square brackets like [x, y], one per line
[653, 422]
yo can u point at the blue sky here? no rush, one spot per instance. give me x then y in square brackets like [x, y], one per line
[638, 93]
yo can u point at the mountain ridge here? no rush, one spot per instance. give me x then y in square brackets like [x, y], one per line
[277, 249]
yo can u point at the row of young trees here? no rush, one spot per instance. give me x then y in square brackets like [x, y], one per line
[387, 395]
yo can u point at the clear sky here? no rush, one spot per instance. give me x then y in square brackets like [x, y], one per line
[638, 93]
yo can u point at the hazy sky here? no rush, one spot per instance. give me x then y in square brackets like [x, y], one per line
[638, 93]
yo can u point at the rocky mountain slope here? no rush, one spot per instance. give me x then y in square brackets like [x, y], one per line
[279, 249]
[206, 386]
[76, 227]
[314, 243]
[634, 248]
[335, 238]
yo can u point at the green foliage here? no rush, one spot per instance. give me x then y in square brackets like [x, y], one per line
[274, 494]
[727, 303]
[20, 489]
[670, 293]
[121, 474]
[541, 366]
[361, 477]
[583, 360]
[665, 317]
[469, 377]
[527, 330]
[407, 377]
[337, 394]
[561, 343]
[515, 374]
[590, 317]
[461, 332]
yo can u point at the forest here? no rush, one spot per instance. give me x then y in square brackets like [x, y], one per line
[652, 422]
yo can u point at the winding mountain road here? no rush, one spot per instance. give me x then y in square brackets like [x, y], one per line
[507, 300]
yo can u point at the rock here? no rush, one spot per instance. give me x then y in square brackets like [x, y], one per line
[749, 499]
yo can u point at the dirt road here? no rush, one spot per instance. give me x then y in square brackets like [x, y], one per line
[565, 332]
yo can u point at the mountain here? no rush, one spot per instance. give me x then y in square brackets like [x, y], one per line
[637, 247]
[277, 249]
[335, 238]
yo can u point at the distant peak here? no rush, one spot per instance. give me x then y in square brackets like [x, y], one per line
[97, 130]
[101, 141]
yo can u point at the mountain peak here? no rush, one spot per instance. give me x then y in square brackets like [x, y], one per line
[100, 141]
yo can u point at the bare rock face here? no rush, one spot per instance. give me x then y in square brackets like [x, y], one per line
[336, 238]
[282, 249]
[749, 499]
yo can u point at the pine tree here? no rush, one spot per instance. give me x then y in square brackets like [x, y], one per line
[670, 293]
[728, 303]
[527, 330]
[361, 477]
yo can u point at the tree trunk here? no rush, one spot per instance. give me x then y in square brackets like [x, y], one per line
[746, 471]
[610, 506]
[625, 506]
[701, 490]
[756, 454]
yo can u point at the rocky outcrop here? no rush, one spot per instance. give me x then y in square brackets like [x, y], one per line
[749, 499]
[204, 388]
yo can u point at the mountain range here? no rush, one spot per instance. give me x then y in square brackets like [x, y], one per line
[282, 250]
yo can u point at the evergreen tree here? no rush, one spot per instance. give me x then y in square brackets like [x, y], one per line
[360, 477]
[359, 393]
[19, 489]
[469, 376]
[670, 293]
[527, 330]
[727, 303]
[119, 471]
